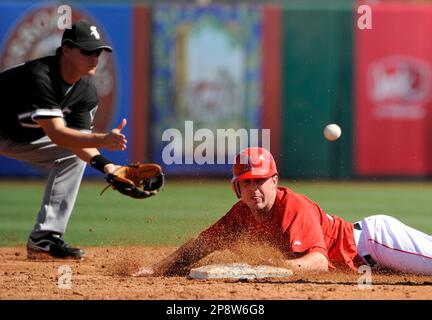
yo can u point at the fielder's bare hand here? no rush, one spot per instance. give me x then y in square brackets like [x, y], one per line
[110, 168]
[115, 140]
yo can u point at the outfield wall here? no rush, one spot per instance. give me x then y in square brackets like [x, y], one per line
[292, 69]
[317, 78]
[393, 106]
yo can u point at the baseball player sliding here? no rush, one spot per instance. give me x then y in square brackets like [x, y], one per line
[47, 114]
[312, 240]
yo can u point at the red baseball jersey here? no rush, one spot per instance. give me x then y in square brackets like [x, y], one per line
[297, 226]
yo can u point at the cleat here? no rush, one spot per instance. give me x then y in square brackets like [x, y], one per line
[51, 246]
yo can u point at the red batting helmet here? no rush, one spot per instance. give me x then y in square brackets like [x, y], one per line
[252, 163]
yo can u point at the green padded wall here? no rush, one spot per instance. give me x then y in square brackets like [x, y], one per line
[317, 64]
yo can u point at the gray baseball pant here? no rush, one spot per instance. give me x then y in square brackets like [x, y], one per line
[65, 174]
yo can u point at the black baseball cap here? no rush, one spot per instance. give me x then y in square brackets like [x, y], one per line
[85, 35]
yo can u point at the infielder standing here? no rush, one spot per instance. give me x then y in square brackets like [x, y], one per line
[311, 240]
[47, 114]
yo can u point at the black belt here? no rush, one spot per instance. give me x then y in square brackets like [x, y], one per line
[371, 262]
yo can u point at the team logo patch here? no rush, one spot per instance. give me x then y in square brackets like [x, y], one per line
[94, 32]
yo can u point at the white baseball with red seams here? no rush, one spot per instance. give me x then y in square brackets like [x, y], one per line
[394, 245]
[332, 132]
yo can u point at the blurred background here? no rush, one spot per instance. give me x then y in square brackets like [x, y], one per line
[193, 68]
[288, 66]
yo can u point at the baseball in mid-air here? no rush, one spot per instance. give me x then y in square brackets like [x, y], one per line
[332, 132]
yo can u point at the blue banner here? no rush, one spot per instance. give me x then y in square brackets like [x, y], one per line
[29, 31]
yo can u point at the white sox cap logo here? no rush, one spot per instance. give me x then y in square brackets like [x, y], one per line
[94, 32]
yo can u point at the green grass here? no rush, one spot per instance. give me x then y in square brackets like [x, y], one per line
[184, 208]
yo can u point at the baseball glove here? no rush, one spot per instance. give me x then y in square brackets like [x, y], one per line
[140, 180]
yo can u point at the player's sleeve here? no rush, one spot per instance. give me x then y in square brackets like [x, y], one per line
[224, 232]
[44, 103]
[305, 232]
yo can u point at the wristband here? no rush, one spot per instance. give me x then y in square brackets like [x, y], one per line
[99, 162]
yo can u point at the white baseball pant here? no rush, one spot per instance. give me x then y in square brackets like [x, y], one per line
[64, 179]
[393, 245]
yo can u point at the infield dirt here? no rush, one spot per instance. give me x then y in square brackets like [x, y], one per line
[106, 274]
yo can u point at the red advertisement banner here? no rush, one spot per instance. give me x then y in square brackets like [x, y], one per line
[393, 100]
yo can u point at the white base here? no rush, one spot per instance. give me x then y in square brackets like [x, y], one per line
[239, 271]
